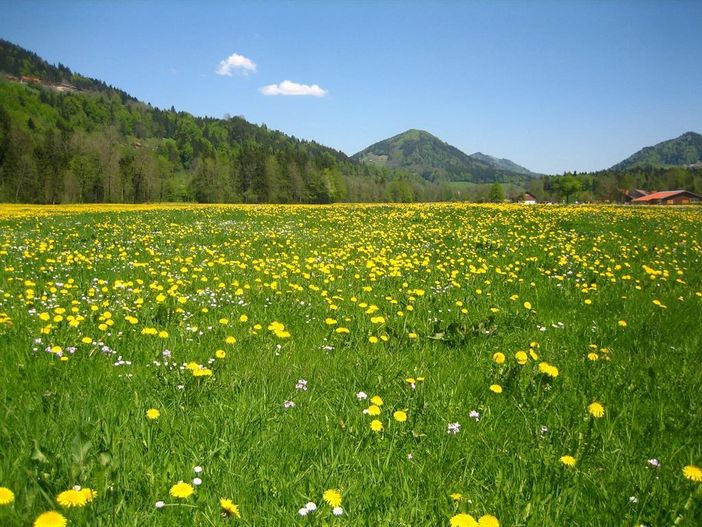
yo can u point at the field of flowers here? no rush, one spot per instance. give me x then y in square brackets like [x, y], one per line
[423, 365]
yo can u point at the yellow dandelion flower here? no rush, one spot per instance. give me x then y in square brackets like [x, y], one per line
[373, 339]
[229, 507]
[89, 494]
[456, 496]
[693, 473]
[495, 388]
[202, 372]
[463, 520]
[593, 356]
[50, 519]
[220, 354]
[568, 461]
[400, 416]
[521, 357]
[527, 305]
[374, 410]
[71, 498]
[332, 497]
[243, 318]
[153, 414]
[488, 520]
[230, 340]
[342, 329]
[596, 409]
[181, 490]
[6, 496]
[498, 357]
[622, 323]
[377, 400]
[376, 426]
[548, 369]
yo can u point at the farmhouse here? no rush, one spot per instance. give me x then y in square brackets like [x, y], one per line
[668, 197]
[527, 198]
[630, 195]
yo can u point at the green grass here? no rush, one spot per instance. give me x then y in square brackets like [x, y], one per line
[82, 421]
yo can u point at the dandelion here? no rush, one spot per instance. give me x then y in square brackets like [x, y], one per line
[229, 507]
[568, 461]
[521, 357]
[693, 473]
[373, 410]
[376, 425]
[596, 409]
[72, 498]
[332, 497]
[377, 400]
[548, 369]
[527, 305]
[220, 354]
[495, 388]
[50, 519]
[6, 496]
[488, 520]
[498, 357]
[182, 490]
[456, 496]
[400, 416]
[463, 520]
[153, 414]
[622, 323]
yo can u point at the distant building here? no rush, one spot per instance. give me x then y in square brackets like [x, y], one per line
[527, 198]
[668, 197]
[630, 195]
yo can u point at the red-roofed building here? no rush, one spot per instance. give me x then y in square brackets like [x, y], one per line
[668, 197]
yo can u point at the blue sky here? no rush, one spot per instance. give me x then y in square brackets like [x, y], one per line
[553, 85]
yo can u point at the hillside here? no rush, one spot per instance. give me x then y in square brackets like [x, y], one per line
[67, 138]
[426, 155]
[503, 164]
[685, 150]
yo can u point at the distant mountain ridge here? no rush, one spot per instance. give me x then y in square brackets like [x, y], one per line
[425, 155]
[685, 150]
[503, 164]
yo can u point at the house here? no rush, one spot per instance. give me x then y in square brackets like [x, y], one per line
[668, 197]
[527, 198]
[630, 195]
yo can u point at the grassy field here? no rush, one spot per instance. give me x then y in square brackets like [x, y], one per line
[250, 348]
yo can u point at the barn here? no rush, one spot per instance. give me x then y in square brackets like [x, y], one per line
[668, 197]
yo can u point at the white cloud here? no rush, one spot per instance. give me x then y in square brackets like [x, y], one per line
[235, 62]
[293, 88]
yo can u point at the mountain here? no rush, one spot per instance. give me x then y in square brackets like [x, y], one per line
[425, 155]
[65, 137]
[503, 164]
[685, 150]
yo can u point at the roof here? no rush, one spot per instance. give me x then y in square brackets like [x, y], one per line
[666, 194]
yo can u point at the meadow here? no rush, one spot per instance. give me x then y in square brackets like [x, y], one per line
[350, 365]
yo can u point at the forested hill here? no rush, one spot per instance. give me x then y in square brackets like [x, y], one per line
[68, 138]
[434, 160]
[684, 151]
